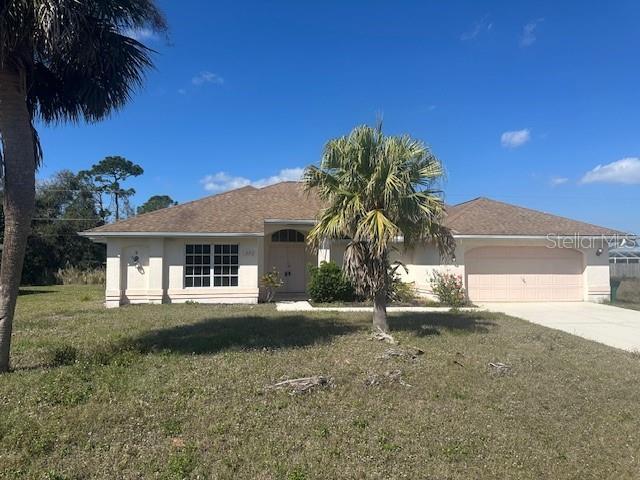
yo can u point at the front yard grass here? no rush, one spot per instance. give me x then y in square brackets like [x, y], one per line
[178, 391]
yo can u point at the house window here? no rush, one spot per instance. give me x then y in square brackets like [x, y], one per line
[225, 265]
[287, 236]
[198, 266]
[199, 263]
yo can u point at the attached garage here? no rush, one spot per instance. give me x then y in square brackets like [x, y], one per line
[524, 274]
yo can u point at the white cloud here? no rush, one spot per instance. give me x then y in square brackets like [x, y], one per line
[222, 181]
[482, 25]
[207, 77]
[625, 170]
[140, 34]
[556, 181]
[528, 36]
[515, 138]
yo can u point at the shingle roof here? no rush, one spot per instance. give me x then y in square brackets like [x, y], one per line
[483, 216]
[245, 210]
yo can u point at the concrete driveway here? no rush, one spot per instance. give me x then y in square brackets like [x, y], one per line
[613, 326]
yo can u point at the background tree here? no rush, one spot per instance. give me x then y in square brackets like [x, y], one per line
[108, 175]
[64, 205]
[59, 60]
[156, 202]
[380, 192]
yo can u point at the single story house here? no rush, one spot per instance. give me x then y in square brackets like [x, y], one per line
[215, 250]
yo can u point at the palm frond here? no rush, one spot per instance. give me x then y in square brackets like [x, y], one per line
[378, 189]
[78, 62]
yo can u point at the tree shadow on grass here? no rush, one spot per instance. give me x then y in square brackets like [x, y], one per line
[34, 291]
[290, 331]
[432, 323]
[244, 332]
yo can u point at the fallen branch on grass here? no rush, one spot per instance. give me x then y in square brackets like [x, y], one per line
[411, 354]
[500, 367]
[302, 385]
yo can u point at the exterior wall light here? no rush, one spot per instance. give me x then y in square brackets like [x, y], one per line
[599, 252]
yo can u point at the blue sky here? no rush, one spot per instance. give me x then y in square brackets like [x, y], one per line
[533, 103]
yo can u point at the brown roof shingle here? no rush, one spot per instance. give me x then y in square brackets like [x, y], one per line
[245, 210]
[483, 216]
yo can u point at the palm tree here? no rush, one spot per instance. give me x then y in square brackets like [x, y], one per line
[379, 193]
[60, 60]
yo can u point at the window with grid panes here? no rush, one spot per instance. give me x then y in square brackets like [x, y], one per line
[197, 271]
[225, 265]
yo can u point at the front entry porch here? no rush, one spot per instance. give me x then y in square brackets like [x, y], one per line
[288, 254]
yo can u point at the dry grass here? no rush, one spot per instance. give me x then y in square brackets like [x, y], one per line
[629, 294]
[71, 275]
[178, 391]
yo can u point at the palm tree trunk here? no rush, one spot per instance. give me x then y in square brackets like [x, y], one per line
[380, 311]
[19, 161]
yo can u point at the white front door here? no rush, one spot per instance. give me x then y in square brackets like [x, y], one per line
[289, 261]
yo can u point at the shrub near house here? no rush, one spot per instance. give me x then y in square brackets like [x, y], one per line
[329, 284]
[447, 287]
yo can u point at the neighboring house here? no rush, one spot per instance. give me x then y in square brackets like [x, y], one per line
[214, 250]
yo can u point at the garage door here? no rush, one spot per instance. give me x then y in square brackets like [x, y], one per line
[524, 274]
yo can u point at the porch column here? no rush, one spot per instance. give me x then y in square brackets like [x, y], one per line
[155, 287]
[324, 252]
[113, 289]
[260, 257]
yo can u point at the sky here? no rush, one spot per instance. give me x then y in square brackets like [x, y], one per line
[534, 103]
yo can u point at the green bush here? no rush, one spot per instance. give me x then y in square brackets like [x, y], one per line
[448, 288]
[402, 292]
[329, 284]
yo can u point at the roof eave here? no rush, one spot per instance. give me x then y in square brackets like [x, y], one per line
[290, 221]
[533, 237]
[91, 234]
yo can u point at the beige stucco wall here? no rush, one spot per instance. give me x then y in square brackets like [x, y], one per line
[159, 274]
[422, 261]
[596, 276]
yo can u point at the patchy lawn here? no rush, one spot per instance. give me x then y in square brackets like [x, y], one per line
[178, 391]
